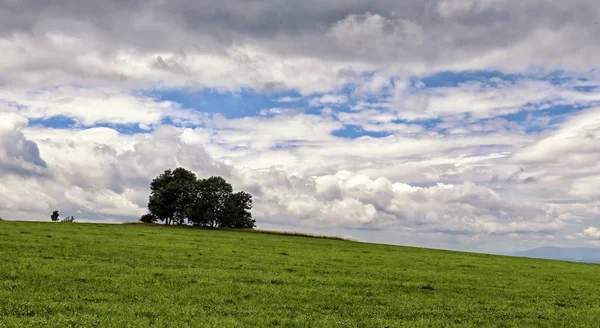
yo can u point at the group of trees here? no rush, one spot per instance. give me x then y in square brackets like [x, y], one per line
[178, 197]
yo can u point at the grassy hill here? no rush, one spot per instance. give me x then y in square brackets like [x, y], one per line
[84, 275]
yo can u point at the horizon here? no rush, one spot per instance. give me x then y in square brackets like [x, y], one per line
[464, 125]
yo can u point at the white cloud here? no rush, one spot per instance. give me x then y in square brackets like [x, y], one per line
[587, 188]
[289, 99]
[575, 144]
[89, 106]
[25, 194]
[591, 232]
[480, 100]
[105, 202]
[354, 200]
[44, 61]
[18, 154]
[262, 133]
[329, 99]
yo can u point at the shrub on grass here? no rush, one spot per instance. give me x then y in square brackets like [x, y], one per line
[68, 219]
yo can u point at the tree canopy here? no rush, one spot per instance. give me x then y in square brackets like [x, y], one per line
[179, 197]
[172, 194]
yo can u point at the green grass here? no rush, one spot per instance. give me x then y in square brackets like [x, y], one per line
[86, 275]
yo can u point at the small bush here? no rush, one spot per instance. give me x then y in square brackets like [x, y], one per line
[68, 219]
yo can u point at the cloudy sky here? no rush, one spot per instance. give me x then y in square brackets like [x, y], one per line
[460, 124]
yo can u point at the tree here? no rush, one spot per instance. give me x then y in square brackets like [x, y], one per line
[209, 207]
[237, 211]
[54, 216]
[172, 194]
[148, 218]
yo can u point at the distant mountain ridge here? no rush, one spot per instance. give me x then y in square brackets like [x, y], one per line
[580, 254]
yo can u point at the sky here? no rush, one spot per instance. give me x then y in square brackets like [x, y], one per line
[458, 124]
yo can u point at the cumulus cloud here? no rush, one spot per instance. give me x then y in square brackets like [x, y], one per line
[18, 155]
[591, 232]
[355, 200]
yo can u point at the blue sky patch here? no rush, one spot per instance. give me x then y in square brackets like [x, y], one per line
[55, 122]
[230, 105]
[248, 103]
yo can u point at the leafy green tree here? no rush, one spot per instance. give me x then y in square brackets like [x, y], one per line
[209, 207]
[237, 211]
[54, 216]
[172, 194]
[148, 218]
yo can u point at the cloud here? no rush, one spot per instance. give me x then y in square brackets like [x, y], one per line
[329, 99]
[236, 45]
[18, 155]
[30, 194]
[46, 61]
[264, 133]
[378, 121]
[289, 99]
[575, 144]
[591, 232]
[90, 106]
[355, 200]
[376, 36]
[490, 98]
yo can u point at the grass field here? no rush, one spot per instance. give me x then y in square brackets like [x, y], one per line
[92, 275]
